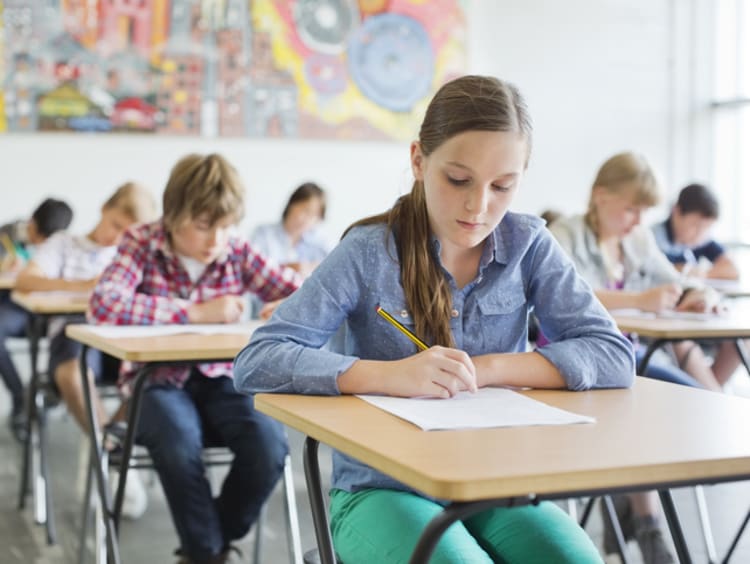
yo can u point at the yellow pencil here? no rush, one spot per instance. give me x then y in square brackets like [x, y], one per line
[392, 320]
[10, 248]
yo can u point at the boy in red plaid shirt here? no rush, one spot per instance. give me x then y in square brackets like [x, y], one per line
[188, 267]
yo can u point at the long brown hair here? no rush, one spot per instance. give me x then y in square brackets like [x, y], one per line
[469, 103]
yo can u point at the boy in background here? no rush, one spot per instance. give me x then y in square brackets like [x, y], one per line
[20, 238]
[189, 268]
[684, 236]
[74, 263]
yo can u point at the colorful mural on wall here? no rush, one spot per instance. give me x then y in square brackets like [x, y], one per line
[346, 69]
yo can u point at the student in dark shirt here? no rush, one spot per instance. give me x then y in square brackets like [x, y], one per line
[48, 218]
[685, 235]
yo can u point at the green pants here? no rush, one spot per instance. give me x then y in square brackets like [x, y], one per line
[383, 526]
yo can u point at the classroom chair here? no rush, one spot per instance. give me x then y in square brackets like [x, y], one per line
[107, 546]
[213, 455]
[612, 522]
[736, 539]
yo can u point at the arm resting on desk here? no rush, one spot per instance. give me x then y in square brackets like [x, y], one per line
[33, 279]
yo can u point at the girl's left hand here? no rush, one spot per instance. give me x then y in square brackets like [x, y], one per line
[700, 300]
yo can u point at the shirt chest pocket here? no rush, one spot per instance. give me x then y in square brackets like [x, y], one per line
[396, 339]
[504, 321]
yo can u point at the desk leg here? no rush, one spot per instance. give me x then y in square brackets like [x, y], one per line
[35, 470]
[317, 505]
[134, 413]
[742, 351]
[44, 479]
[97, 455]
[736, 539]
[673, 520]
[30, 443]
[451, 514]
[650, 350]
[612, 521]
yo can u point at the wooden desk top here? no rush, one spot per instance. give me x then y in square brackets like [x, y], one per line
[653, 434]
[733, 326]
[180, 347]
[51, 303]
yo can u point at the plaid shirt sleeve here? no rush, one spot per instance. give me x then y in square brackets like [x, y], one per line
[266, 278]
[116, 299]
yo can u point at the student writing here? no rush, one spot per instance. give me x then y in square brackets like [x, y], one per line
[461, 272]
[48, 218]
[189, 268]
[685, 239]
[620, 259]
[73, 263]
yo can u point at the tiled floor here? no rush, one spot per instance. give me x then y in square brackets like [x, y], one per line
[151, 539]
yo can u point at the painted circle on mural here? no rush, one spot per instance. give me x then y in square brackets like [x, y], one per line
[325, 25]
[391, 61]
[325, 73]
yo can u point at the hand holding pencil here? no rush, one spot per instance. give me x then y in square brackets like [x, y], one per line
[433, 372]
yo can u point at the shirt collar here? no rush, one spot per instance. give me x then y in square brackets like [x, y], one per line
[159, 242]
[489, 252]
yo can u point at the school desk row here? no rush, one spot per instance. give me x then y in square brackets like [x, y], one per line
[635, 443]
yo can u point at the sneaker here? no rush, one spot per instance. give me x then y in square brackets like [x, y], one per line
[624, 515]
[651, 542]
[135, 500]
[230, 555]
[17, 421]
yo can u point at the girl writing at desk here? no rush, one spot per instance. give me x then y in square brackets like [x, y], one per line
[622, 262]
[450, 262]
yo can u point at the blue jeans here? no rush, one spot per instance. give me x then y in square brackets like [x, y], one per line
[664, 372]
[13, 322]
[175, 424]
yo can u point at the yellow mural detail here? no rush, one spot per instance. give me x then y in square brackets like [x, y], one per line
[349, 104]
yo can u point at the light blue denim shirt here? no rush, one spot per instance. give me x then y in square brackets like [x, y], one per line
[522, 268]
[273, 241]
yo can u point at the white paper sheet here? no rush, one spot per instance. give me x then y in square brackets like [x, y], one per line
[691, 315]
[667, 314]
[633, 312]
[489, 407]
[125, 331]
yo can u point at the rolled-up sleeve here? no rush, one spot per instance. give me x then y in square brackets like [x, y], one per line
[288, 354]
[585, 344]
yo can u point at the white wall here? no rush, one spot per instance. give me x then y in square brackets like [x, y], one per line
[600, 76]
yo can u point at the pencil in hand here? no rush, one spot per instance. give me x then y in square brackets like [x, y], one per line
[393, 321]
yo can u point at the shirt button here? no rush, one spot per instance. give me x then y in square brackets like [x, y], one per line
[404, 313]
[454, 313]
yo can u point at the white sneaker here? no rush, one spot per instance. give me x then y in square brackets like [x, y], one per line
[135, 500]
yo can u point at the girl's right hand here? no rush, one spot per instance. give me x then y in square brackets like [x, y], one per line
[660, 298]
[439, 372]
